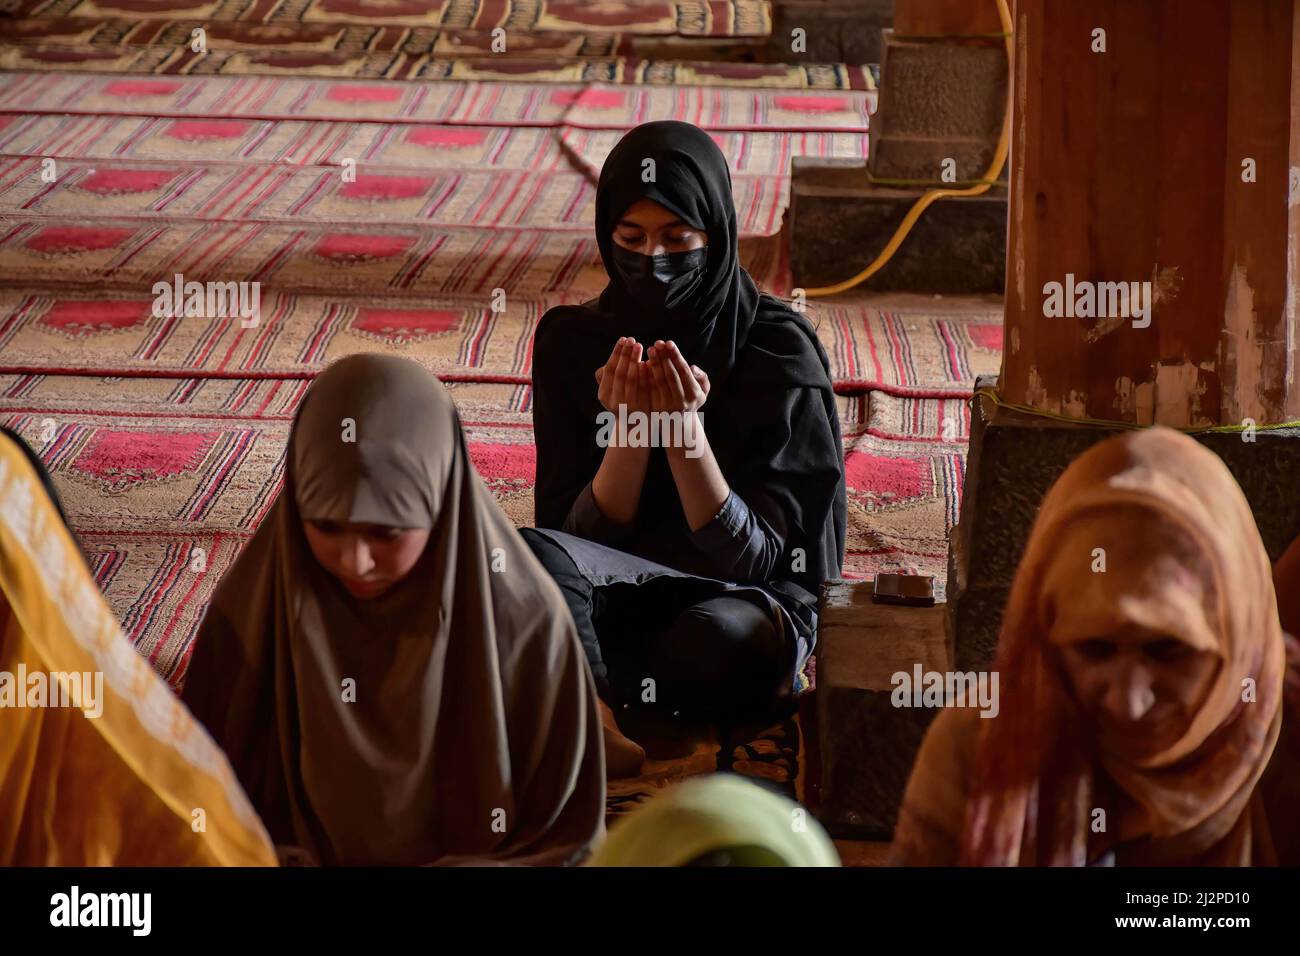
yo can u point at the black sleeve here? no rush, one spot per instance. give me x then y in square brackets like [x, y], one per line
[790, 486]
[564, 446]
[740, 545]
[586, 520]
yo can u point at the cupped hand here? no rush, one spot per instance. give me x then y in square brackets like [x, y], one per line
[624, 379]
[675, 386]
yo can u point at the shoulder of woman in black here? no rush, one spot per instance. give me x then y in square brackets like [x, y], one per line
[782, 349]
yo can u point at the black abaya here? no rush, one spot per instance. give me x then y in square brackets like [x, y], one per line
[770, 415]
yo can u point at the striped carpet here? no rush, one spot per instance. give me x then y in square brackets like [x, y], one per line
[657, 42]
[912, 350]
[469, 214]
[201, 460]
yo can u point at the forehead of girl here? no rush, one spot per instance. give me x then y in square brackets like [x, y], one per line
[649, 215]
[353, 527]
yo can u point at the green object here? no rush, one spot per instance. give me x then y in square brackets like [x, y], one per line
[719, 820]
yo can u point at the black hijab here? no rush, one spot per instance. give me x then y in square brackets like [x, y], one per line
[770, 415]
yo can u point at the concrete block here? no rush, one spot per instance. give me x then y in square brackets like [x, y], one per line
[939, 99]
[839, 221]
[1015, 458]
[867, 746]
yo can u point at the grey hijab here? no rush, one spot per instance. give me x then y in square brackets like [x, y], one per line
[474, 735]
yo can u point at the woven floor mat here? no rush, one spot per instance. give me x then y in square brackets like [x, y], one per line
[151, 470]
[910, 350]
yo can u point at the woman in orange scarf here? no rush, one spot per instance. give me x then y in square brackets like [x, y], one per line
[1146, 681]
[100, 763]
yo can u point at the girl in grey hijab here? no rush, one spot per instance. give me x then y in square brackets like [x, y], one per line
[392, 674]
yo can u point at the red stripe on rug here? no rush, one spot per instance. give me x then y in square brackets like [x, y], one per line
[850, 387]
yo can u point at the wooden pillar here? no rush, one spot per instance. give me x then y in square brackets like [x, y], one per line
[1166, 159]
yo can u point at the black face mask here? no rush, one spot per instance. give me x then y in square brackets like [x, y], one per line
[663, 282]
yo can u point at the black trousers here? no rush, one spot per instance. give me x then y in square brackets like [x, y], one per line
[668, 647]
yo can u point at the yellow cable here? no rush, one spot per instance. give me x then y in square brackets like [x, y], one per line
[913, 214]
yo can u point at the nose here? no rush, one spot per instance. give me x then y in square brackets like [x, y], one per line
[355, 557]
[1131, 695]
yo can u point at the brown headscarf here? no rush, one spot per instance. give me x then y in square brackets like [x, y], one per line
[1036, 777]
[474, 734]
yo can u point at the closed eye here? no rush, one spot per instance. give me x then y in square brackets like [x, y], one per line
[1095, 649]
[1166, 649]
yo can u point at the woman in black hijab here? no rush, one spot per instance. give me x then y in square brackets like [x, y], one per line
[691, 568]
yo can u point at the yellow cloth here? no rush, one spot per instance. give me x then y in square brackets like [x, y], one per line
[120, 788]
[709, 814]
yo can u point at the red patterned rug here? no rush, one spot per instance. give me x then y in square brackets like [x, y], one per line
[166, 436]
[694, 18]
[909, 347]
[375, 51]
[376, 146]
[116, 181]
[203, 460]
[461, 103]
[174, 194]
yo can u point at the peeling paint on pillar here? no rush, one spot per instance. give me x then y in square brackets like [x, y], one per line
[1178, 391]
[1018, 160]
[1240, 352]
[1125, 403]
[1035, 393]
[1165, 284]
[1289, 309]
[1105, 326]
[1144, 403]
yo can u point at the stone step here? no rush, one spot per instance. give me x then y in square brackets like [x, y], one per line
[1014, 459]
[866, 746]
[839, 220]
[939, 100]
[839, 31]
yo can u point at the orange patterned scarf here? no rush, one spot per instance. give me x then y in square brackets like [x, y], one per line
[1036, 780]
